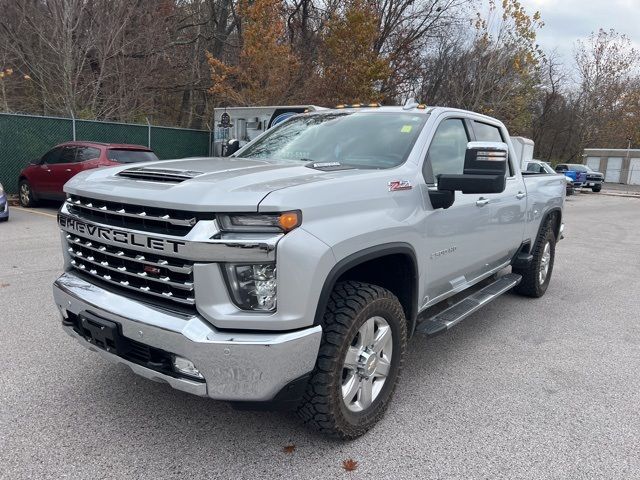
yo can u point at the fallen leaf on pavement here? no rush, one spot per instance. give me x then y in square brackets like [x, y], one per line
[350, 465]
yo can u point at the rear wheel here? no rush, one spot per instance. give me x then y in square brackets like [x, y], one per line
[359, 362]
[26, 194]
[536, 276]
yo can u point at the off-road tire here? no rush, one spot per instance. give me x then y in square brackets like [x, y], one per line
[596, 189]
[530, 285]
[350, 305]
[26, 198]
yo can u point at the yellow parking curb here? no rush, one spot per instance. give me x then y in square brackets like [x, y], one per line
[34, 211]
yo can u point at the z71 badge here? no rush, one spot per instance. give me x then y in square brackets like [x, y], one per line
[397, 185]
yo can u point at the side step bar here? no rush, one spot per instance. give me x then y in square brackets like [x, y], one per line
[446, 319]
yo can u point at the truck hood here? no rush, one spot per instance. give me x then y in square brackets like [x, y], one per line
[198, 184]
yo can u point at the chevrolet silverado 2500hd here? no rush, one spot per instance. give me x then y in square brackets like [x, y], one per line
[295, 271]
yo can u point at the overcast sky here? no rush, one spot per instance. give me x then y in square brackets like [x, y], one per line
[569, 20]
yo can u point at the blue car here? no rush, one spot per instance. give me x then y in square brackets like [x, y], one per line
[4, 205]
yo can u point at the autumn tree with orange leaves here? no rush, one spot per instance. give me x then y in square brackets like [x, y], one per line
[266, 67]
[350, 68]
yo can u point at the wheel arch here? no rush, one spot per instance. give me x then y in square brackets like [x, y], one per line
[398, 261]
[555, 216]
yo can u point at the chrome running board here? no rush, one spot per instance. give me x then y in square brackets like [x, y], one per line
[446, 319]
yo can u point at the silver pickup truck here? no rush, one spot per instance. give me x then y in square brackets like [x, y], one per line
[293, 273]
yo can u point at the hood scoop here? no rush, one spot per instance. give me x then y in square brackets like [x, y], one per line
[328, 166]
[169, 175]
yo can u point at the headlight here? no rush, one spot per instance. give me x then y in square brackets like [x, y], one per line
[252, 287]
[1, 190]
[260, 222]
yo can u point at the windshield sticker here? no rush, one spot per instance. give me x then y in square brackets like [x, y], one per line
[406, 129]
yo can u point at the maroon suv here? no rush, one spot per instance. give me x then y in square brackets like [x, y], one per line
[44, 178]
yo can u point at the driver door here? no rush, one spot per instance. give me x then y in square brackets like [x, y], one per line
[40, 178]
[457, 240]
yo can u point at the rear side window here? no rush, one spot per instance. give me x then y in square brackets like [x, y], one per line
[486, 133]
[122, 155]
[534, 167]
[447, 150]
[87, 153]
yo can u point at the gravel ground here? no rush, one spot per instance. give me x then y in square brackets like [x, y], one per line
[546, 388]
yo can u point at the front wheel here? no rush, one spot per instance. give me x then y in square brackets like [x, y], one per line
[26, 194]
[536, 277]
[359, 362]
[596, 189]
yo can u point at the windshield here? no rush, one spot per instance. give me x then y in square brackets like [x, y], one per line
[122, 155]
[360, 139]
[577, 168]
[547, 168]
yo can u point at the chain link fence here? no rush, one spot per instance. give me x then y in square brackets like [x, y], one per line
[25, 138]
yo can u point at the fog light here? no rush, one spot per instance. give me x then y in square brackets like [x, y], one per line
[186, 367]
[253, 287]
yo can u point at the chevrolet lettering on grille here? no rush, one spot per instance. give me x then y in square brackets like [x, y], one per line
[118, 236]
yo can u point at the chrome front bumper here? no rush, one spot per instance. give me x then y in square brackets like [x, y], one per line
[236, 366]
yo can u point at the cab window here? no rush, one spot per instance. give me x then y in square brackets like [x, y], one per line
[534, 167]
[487, 133]
[447, 150]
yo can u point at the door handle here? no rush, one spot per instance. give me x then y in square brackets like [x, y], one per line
[482, 202]
[67, 169]
[520, 195]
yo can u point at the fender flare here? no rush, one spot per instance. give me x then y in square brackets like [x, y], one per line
[545, 219]
[361, 257]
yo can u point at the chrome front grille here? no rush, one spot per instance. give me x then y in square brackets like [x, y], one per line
[135, 217]
[144, 273]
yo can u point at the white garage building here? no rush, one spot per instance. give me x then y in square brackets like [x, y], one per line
[618, 165]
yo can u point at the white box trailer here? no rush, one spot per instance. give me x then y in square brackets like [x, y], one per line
[246, 123]
[524, 149]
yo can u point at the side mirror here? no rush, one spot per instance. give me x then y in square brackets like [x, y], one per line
[485, 170]
[233, 145]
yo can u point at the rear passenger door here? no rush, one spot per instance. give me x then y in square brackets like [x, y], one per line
[507, 209]
[88, 157]
[457, 247]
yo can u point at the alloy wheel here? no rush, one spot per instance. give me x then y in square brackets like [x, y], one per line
[24, 194]
[545, 260]
[367, 364]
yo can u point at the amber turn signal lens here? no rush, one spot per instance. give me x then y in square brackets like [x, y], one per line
[289, 220]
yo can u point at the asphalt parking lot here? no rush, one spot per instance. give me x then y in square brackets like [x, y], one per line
[546, 388]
